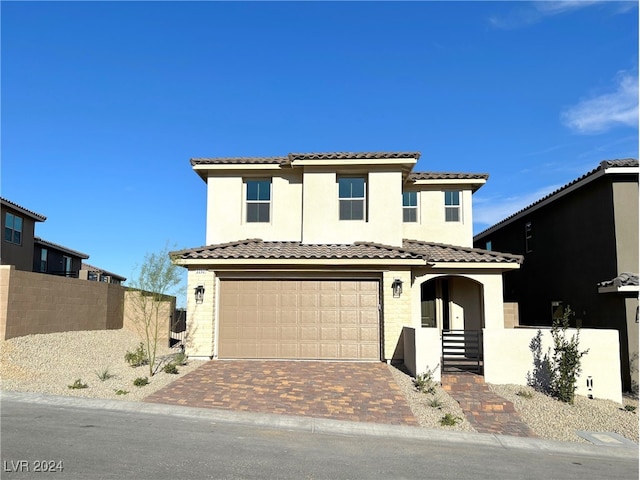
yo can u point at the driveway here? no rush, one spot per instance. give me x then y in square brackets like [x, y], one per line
[354, 391]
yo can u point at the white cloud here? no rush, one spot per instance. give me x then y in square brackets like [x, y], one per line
[603, 112]
[529, 13]
[489, 211]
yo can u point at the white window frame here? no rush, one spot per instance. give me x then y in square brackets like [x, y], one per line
[362, 199]
[411, 207]
[248, 202]
[528, 237]
[453, 207]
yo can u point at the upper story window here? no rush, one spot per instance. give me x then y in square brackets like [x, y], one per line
[452, 206]
[67, 264]
[258, 201]
[409, 206]
[13, 228]
[351, 196]
[528, 237]
[44, 254]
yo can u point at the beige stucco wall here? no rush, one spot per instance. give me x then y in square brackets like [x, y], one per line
[200, 337]
[625, 198]
[431, 225]
[508, 358]
[422, 351]
[134, 317]
[226, 217]
[396, 313]
[33, 303]
[321, 223]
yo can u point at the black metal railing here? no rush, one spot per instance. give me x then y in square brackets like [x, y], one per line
[462, 351]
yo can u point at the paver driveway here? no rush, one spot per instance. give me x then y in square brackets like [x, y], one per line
[355, 391]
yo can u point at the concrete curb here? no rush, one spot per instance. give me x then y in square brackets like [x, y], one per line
[328, 426]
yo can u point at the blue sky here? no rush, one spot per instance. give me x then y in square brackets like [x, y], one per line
[104, 103]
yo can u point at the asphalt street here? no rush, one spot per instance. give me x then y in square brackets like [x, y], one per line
[69, 438]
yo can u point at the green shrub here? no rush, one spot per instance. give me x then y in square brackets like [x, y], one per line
[121, 392]
[78, 384]
[449, 420]
[565, 360]
[524, 394]
[425, 383]
[141, 381]
[630, 408]
[435, 403]
[170, 368]
[137, 358]
[104, 374]
[180, 358]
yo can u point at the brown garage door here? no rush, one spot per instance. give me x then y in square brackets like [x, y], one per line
[307, 319]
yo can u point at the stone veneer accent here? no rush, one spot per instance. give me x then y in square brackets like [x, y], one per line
[396, 313]
[200, 338]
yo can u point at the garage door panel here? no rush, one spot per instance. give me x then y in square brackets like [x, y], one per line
[315, 319]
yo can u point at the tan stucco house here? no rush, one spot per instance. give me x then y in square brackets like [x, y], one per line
[331, 255]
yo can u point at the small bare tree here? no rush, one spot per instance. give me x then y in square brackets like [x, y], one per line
[157, 278]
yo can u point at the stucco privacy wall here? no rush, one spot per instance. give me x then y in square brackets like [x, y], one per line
[134, 319]
[633, 333]
[201, 327]
[422, 350]
[508, 358]
[37, 303]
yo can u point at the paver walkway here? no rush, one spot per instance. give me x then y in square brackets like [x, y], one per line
[361, 392]
[486, 411]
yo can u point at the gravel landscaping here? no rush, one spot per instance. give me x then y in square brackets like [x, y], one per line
[50, 363]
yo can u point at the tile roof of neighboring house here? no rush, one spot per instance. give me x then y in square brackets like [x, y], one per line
[623, 280]
[604, 165]
[447, 175]
[258, 249]
[46, 243]
[303, 156]
[411, 249]
[240, 160]
[36, 216]
[91, 268]
[353, 155]
[439, 252]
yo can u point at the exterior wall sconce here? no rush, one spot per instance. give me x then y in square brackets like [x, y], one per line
[199, 293]
[396, 286]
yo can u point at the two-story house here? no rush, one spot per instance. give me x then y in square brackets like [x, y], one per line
[330, 255]
[580, 245]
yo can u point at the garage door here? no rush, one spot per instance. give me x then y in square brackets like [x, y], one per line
[305, 319]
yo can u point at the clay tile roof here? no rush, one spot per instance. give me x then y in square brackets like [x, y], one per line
[412, 249]
[258, 249]
[240, 160]
[36, 216]
[623, 280]
[439, 252]
[353, 155]
[46, 243]
[447, 175]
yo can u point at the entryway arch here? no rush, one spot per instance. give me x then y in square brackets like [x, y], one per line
[452, 302]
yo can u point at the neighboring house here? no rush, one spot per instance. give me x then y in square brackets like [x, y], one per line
[18, 241]
[27, 252]
[580, 245]
[54, 259]
[95, 274]
[330, 255]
